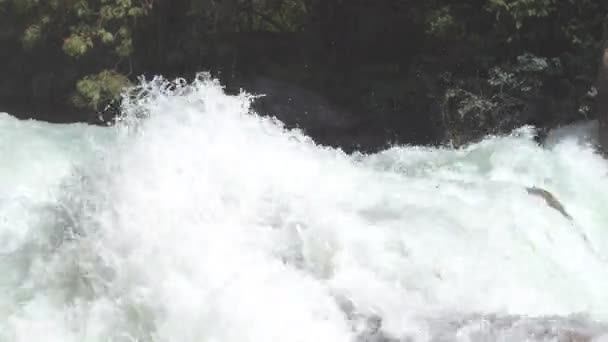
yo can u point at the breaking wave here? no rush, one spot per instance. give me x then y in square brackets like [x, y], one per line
[194, 219]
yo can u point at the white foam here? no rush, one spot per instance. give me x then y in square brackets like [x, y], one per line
[204, 222]
[584, 133]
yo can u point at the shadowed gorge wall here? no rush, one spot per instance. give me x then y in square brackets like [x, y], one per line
[410, 71]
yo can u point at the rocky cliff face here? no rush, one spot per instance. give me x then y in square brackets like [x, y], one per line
[430, 107]
[602, 99]
[334, 124]
[429, 103]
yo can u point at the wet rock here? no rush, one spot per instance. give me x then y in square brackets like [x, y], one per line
[326, 122]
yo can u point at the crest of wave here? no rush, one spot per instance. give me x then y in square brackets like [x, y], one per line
[206, 222]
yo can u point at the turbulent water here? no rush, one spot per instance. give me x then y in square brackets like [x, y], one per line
[196, 220]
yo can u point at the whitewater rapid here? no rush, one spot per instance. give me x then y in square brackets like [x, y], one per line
[194, 219]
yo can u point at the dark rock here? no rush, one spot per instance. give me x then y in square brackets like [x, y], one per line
[323, 120]
[602, 99]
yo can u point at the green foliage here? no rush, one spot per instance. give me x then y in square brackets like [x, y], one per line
[82, 25]
[107, 39]
[77, 45]
[105, 36]
[283, 16]
[31, 36]
[125, 48]
[521, 10]
[578, 21]
[86, 30]
[442, 23]
[93, 91]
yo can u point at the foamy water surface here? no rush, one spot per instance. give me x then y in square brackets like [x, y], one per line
[196, 220]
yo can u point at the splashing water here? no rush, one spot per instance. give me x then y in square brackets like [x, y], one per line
[195, 220]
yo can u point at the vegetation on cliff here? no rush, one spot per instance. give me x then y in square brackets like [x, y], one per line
[451, 70]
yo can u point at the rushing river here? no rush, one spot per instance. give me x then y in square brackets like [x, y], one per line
[195, 220]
